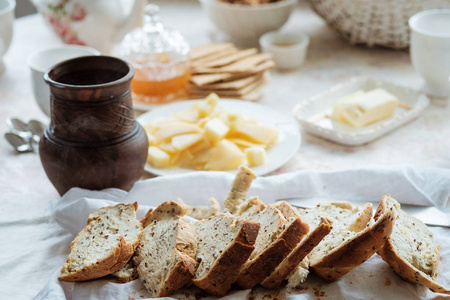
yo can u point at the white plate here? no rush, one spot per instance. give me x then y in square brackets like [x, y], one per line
[312, 113]
[284, 149]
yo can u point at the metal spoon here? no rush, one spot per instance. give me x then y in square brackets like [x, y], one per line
[19, 127]
[37, 129]
[18, 142]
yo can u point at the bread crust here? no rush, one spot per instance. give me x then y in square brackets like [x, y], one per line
[181, 275]
[101, 268]
[226, 270]
[298, 254]
[266, 262]
[239, 189]
[354, 252]
[116, 260]
[407, 271]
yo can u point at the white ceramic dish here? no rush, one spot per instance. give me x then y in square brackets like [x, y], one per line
[247, 22]
[285, 148]
[288, 48]
[312, 113]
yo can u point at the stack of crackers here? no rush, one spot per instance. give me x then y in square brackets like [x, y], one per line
[228, 72]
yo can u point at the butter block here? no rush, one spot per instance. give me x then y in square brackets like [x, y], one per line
[216, 129]
[336, 114]
[363, 110]
[158, 158]
[256, 156]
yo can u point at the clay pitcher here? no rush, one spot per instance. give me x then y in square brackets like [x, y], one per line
[93, 140]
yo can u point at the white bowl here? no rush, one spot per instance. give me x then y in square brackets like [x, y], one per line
[246, 22]
[41, 61]
[288, 48]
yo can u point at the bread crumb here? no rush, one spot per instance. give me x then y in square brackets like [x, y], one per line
[387, 282]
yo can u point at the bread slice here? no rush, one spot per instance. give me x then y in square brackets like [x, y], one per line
[127, 273]
[347, 247]
[277, 238]
[412, 253]
[224, 245]
[239, 189]
[201, 212]
[296, 256]
[104, 245]
[165, 257]
[299, 274]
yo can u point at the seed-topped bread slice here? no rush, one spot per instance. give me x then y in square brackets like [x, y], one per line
[239, 190]
[224, 245]
[201, 212]
[277, 238]
[295, 257]
[165, 255]
[127, 273]
[104, 245]
[412, 253]
[345, 248]
[299, 274]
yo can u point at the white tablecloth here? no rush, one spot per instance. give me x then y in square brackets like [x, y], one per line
[372, 279]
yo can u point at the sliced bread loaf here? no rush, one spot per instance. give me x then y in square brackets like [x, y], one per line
[345, 248]
[165, 257]
[297, 255]
[104, 245]
[412, 253]
[224, 245]
[277, 238]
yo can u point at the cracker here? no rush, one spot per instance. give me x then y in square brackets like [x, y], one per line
[230, 93]
[240, 66]
[228, 59]
[214, 56]
[205, 50]
[230, 85]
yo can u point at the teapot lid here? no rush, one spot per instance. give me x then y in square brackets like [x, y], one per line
[153, 41]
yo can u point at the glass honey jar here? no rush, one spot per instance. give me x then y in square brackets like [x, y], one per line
[160, 56]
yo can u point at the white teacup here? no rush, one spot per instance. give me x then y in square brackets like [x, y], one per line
[41, 61]
[6, 26]
[288, 48]
[430, 49]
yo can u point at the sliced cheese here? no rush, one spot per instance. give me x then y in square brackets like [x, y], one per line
[183, 141]
[158, 158]
[215, 129]
[225, 156]
[166, 130]
[255, 156]
[255, 133]
[372, 106]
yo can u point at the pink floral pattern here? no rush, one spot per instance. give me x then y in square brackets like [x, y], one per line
[62, 22]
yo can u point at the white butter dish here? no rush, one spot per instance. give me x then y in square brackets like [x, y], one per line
[313, 113]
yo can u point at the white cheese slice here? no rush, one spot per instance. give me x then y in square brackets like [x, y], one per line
[158, 158]
[255, 156]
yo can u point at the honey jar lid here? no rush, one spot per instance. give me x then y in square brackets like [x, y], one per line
[153, 42]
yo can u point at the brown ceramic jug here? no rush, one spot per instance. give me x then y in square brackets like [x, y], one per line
[93, 140]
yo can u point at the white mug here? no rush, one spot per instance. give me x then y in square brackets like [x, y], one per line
[6, 26]
[430, 49]
[41, 61]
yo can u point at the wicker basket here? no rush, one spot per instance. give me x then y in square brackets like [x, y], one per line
[374, 22]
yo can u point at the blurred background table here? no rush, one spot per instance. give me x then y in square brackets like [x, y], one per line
[424, 142]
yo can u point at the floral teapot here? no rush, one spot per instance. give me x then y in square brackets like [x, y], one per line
[96, 23]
